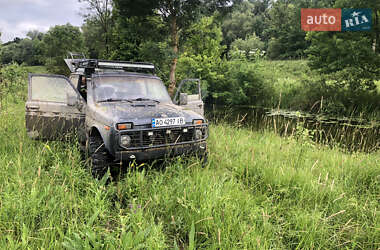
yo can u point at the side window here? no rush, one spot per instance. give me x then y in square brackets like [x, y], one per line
[51, 89]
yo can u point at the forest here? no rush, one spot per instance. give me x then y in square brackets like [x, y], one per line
[226, 44]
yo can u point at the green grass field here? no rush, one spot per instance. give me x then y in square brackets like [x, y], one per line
[259, 191]
[36, 69]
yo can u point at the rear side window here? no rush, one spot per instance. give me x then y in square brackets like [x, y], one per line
[51, 89]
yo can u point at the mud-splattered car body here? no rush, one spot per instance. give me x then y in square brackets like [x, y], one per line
[128, 115]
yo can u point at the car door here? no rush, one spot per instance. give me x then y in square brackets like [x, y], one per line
[54, 107]
[189, 95]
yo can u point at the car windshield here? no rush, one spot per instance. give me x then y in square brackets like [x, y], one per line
[130, 88]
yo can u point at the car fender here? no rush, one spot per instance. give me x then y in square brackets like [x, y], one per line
[104, 132]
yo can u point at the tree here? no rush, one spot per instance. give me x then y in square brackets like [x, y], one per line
[247, 18]
[57, 42]
[250, 46]
[100, 14]
[35, 35]
[177, 14]
[374, 34]
[25, 51]
[335, 51]
[202, 54]
[92, 35]
[130, 34]
[287, 39]
[349, 63]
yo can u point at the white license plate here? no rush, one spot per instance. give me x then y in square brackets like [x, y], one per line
[167, 122]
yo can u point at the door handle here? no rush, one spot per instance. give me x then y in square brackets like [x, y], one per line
[33, 107]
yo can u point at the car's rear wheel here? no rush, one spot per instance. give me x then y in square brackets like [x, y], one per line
[100, 160]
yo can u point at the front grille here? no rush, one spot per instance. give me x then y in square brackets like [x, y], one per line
[162, 137]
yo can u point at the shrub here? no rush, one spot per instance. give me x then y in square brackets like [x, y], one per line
[243, 85]
[12, 83]
[250, 48]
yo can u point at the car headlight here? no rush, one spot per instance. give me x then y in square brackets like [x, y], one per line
[124, 126]
[198, 134]
[125, 140]
[198, 121]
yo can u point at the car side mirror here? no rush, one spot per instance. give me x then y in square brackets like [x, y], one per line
[182, 99]
[72, 100]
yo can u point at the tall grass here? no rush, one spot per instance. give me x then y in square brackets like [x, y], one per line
[258, 191]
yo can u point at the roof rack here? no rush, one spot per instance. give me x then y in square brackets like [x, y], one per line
[91, 65]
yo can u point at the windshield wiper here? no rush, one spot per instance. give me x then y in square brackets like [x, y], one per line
[140, 99]
[115, 100]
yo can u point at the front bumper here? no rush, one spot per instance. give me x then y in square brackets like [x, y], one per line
[199, 148]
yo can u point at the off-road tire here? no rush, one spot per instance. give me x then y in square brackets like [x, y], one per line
[203, 158]
[100, 160]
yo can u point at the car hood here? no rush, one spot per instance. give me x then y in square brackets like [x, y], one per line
[142, 113]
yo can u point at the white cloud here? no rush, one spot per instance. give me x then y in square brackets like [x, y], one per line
[36, 2]
[17, 17]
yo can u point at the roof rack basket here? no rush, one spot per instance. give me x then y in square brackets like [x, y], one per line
[78, 61]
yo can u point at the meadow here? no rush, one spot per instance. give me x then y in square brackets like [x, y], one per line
[258, 191]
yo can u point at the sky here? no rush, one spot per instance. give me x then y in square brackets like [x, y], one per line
[17, 17]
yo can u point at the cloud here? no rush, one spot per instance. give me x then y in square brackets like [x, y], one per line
[17, 17]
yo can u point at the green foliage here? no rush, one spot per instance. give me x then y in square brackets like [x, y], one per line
[243, 85]
[349, 65]
[12, 84]
[204, 37]
[250, 48]
[374, 33]
[22, 51]
[287, 37]
[297, 87]
[9, 53]
[142, 39]
[36, 69]
[202, 51]
[91, 33]
[229, 82]
[97, 28]
[35, 35]
[131, 33]
[332, 52]
[332, 94]
[57, 42]
[352, 51]
[246, 19]
[185, 12]
[288, 80]
[177, 16]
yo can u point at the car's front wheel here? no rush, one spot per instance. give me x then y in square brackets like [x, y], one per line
[100, 159]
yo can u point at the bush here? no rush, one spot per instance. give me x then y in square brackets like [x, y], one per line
[334, 95]
[12, 83]
[250, 48]
[242, 85]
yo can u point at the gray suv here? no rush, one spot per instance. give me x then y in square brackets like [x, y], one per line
[120, 112]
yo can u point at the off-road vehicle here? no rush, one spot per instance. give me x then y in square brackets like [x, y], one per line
[121, 111]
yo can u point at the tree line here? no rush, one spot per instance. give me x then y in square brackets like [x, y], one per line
[211, 40]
